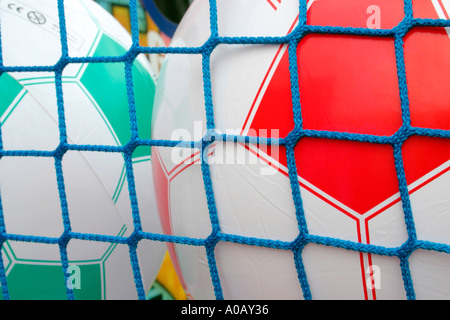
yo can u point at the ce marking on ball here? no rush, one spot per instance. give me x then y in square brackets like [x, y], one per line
[13, 6]
[34, 16]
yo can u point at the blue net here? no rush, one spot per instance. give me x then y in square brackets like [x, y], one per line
[302, 29]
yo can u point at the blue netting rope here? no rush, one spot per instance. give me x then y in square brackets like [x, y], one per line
[292, 39]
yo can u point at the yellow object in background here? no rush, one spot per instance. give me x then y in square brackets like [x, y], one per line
[167, 277]
[121, 13]
[149, 33]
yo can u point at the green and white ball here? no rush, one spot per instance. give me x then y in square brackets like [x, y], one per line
[96, 112]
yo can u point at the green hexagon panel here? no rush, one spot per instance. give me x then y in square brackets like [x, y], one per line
[10, 95]
[112, 94]
[33, 279]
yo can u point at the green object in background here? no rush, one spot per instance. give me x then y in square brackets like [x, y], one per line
[142, 20]
[173, 9]
[158, 292]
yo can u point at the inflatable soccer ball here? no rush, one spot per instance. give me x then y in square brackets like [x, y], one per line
[87, 108]
[349, 199]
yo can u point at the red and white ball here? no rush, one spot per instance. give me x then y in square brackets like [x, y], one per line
[350, 190]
